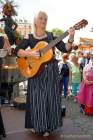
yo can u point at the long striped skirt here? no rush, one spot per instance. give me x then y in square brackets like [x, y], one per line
[43, 111]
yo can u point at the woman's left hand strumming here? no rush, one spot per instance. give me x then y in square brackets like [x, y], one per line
[35, 54]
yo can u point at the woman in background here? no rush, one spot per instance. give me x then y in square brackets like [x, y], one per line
[85, 94]
[76, 74]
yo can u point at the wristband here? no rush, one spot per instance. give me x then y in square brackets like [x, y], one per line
[70, 41]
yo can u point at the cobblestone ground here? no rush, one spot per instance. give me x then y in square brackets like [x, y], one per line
[76, 124]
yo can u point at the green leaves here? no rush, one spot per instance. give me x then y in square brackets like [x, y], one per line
[57, 32]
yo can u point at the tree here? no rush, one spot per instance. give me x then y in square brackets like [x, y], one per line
[57, 32]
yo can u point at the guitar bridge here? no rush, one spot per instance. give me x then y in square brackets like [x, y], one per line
[29, 66]
[41, 53]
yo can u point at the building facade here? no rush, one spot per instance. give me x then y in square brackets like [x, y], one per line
[24, 27]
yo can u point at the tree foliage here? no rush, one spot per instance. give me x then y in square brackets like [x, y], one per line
[57, 31]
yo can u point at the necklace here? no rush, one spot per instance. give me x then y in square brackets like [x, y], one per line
[40, 37]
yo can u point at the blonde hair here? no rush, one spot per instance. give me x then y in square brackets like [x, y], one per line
[73, 56]
[35, 18]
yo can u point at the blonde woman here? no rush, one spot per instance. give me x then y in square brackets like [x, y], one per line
[43, 113]
[76, 74]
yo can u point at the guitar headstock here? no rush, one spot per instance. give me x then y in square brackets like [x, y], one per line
[80, 24]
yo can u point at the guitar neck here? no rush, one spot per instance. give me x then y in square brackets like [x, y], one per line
[54, 42]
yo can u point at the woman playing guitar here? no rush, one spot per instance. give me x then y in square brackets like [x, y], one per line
[43, 114]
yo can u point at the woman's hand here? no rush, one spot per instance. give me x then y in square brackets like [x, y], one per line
[34, 53]
[71, 31]
[69, 45]
[88, 82]
[14, 26]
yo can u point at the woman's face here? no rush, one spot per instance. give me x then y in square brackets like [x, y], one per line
[65, 57]
[41, 21]
[73, 59]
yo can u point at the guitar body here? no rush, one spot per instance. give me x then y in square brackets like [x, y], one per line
[32, 66]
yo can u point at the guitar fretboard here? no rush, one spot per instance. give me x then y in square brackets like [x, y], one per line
[54, 42]
[77, 26]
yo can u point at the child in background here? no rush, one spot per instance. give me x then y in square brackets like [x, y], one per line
[64, 70]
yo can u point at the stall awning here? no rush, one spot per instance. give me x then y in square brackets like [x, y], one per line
[86, 44]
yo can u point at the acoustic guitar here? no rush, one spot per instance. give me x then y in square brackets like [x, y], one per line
[32, 66]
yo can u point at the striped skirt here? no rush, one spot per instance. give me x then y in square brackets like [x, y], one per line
[43, 110]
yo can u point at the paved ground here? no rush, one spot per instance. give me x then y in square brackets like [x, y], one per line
[76, 126]
[80, 125]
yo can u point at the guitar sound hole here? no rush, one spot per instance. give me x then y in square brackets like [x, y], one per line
[29, 65]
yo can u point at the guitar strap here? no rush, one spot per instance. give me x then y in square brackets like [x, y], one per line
[49, 36]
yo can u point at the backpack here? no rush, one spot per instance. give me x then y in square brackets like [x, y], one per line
[60, 65]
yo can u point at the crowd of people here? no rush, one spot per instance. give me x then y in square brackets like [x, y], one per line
[78, 70]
